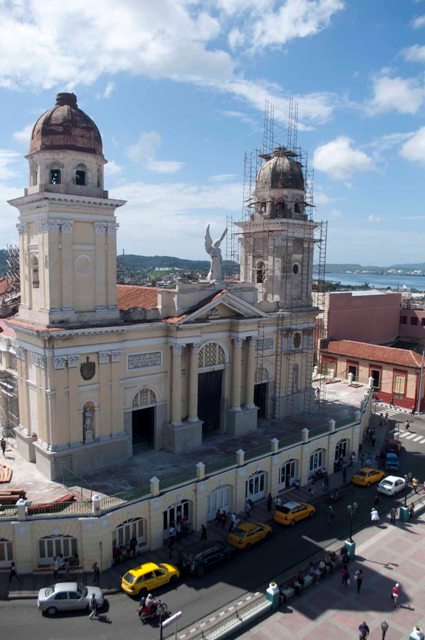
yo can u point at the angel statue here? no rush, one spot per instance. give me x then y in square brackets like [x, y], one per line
[213, 249]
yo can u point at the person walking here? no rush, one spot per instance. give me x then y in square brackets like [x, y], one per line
[345, 578]
[407, 425]
[363, 631]
[415, 483]
[374, 516]
[395, 594]
[96, 572]
[411, 510]
[358, 576]
[393, 514]
[3, 446]
[93, 607]
[331, 514]
[203, 532]
[56, 566]
[247, 509]
[13, 573]
[269, 502]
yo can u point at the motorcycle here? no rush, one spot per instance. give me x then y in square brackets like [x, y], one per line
[157, 610]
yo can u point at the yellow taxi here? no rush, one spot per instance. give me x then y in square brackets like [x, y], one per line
[245, 534]
[367, 476]
[291, 512]
[147, 577]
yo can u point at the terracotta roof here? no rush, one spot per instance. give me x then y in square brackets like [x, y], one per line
[374, 352]
[6, 331]
[132, 296]
[14, 322]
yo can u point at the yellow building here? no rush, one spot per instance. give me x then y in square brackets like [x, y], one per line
[103, 368]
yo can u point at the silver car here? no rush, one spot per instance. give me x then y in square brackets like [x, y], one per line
[391, 485]
[67, 596]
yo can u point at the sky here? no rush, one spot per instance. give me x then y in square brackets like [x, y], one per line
[178, 90]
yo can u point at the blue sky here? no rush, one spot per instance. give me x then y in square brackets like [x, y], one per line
[178, 87]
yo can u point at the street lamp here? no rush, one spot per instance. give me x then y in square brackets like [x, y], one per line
[406, 488]
[384, 628]
[351, 508]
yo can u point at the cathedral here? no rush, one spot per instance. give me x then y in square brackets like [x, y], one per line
[106, 371]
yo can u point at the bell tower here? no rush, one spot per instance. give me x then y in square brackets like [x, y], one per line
[277, 238]
[67, 225]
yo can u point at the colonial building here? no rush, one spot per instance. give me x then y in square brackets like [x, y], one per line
[106, 369]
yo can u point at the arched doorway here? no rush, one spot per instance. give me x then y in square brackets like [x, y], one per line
[221, 499]
[211, 363]
[317, 460]
[51, 547]
[256, 485]
[174, 512]
[127, 530]
[143, 419]
[288, 474]
[261, 391]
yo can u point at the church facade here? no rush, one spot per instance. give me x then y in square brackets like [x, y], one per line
[105, 370]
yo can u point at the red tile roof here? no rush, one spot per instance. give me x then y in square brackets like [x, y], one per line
[6, 331]
[374, 353]
[131, 296]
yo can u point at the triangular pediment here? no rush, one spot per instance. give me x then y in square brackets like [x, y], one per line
[224, 305]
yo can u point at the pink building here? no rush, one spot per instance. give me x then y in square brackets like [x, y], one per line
[365, 316]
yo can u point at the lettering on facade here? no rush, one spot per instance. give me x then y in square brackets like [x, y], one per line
[264, 344]
[142, 360]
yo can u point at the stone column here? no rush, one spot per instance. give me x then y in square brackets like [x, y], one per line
[112, 264]
[176, 389]
[250, 374]
[193, 384]
[101, 272]
[236, 373]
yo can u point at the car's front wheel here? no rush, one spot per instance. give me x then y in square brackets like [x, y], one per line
[173, 579]
[51, 611]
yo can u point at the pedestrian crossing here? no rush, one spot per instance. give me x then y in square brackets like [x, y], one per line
[411, 436]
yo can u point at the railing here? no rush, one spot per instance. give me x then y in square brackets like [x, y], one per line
[8, 513]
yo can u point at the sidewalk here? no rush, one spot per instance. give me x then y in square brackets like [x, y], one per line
[392, 554]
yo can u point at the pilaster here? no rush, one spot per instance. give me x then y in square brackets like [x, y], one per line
[236, 373]
[176, 389]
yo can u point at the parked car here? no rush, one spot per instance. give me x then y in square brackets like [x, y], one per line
[147, 577]
[67, 596]
[291, 512]
[198, 557]
[391, 485]
[367, 476]
[391, 446]
[245, 534]
[391, 462]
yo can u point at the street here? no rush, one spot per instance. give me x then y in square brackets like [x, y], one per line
[250, 570]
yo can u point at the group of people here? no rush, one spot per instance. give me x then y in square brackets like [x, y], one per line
[122, 552]
[329, 563]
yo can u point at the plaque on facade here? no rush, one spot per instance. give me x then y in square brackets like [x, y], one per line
[142, 360]
[87, 369]
[264, 344]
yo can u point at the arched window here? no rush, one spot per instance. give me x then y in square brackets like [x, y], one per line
[171, 515]
[144, 398]
[80, 175]
[55, 176]
[260, 272]
[297, 207]
[341, 449]
[317, 459]
[297, 339]
[35, 278]
[211, 355]
[6, 552]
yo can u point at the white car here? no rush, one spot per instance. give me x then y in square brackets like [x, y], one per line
[391, 485]
[67, 596]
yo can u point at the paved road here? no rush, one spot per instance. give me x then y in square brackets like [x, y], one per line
[198, 597]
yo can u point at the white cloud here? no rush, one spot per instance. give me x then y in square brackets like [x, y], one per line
[173, 39]
[222, 177]
[268, 24]
[145, 150]
[107, 92]
[416, 53]
[418, 22]
[7, 160]
[339, 159]
[372, 218]
[414, 148]
[112, 168]
[182, 212]
[405, 95]
[24, 134]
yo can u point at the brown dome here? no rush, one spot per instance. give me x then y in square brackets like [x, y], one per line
[66, 127]
[280, 171]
